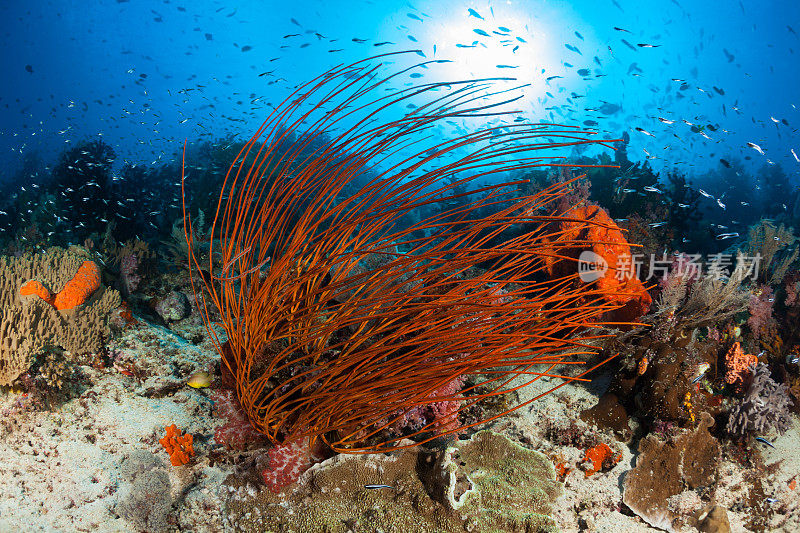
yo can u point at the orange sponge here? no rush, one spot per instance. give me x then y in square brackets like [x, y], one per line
[35, 288]
[80, 287]
[179, 447]
[600, 456]
[74, 293]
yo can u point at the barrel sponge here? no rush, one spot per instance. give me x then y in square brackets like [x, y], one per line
[29, 322]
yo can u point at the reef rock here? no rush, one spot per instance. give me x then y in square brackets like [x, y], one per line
[173, 307]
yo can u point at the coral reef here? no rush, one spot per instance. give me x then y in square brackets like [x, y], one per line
[486, 483]
[28, 324]
[317, 347]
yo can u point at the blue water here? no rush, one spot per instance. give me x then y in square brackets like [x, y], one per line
[145, 76]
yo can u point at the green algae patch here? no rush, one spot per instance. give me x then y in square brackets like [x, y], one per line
[486, 483]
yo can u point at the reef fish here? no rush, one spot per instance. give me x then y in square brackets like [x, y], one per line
[199, 380]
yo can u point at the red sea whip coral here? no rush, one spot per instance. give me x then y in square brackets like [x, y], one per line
[320, 349]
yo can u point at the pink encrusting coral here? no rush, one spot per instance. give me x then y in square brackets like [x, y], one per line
[286, 463]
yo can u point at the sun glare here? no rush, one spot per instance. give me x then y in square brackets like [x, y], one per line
[503, 45]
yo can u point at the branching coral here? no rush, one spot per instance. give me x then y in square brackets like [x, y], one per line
[320, 348]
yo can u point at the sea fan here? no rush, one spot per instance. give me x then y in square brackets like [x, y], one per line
[320, 346]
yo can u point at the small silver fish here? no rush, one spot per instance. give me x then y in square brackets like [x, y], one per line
[723, 236]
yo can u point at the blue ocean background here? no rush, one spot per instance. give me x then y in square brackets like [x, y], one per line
[689, 84]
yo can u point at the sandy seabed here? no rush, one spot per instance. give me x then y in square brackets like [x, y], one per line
[62, 470]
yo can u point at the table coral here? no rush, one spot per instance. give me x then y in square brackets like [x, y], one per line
[179, 447]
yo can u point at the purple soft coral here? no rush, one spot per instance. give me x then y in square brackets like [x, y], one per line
[761, 303]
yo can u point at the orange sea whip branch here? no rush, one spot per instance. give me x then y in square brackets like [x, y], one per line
[415, 323]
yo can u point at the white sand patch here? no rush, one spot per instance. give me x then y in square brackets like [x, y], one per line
[60, 469]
